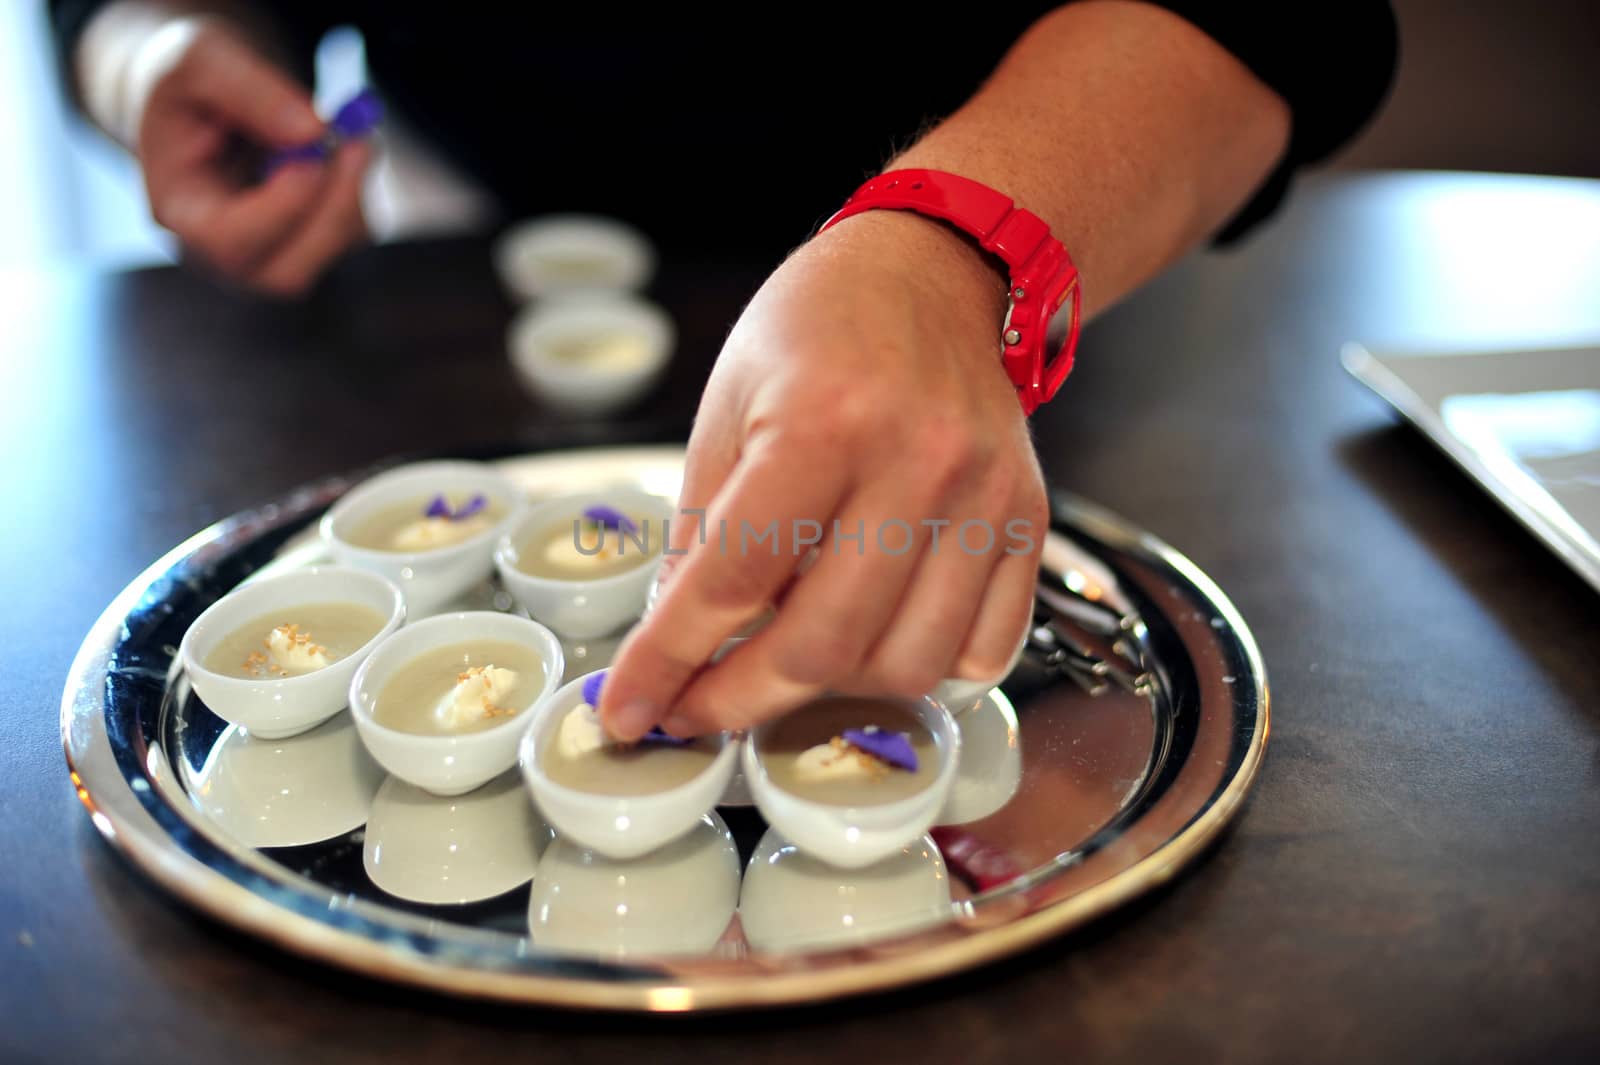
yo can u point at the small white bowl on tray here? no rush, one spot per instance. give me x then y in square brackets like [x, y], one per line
[618, 826]
[432, 577]
[853, 836]
[274, 707]
[581, 609]
[454, 763]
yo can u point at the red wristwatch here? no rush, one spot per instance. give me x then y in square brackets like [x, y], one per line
[1044, 298]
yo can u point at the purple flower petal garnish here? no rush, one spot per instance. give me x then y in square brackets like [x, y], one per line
[886, 746]
[661, 737]
[591, 687]
[472, 506]
[439, 507]
[358, 116]
[610, 518]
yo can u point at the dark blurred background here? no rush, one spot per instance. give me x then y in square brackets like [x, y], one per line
[1483, 85]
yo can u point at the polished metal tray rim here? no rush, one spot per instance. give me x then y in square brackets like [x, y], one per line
[653, 986]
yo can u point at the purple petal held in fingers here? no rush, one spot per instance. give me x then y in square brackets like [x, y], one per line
[592, 685]
[358, 116]
[886, 746]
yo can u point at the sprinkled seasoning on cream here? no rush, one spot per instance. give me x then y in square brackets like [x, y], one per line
[478, 696]
[460, 688]
[275, 647]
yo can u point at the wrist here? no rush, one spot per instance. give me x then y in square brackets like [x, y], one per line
[940, 263]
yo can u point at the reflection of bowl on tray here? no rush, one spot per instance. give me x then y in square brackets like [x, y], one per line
[991, 762]
[433, 849]
[287, 792]
[791, 901]
[675, 900]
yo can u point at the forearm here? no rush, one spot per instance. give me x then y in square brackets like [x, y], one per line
[1132, 133]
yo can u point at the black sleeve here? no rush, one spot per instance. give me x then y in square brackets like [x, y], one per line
[1332, 61]
[67, 20]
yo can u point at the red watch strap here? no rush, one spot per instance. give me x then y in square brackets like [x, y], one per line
[1038, 263]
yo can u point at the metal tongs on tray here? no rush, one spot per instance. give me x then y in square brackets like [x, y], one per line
[1078, 632]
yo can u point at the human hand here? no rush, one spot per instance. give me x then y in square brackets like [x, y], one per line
[862, 385]
[212, 106]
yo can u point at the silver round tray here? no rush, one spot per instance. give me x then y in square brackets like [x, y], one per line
[1115, 753]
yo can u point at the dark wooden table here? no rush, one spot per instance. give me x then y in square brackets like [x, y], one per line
[1417, 877]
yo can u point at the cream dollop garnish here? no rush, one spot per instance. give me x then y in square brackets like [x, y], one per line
[290, 653]
[563, 550]
[836, 760]
[479, 694]
[581, 733]
[425, 534]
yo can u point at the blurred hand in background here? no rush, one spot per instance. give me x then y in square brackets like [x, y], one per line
[201, 107]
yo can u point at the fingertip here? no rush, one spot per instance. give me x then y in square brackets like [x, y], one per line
[629, 720]
[295, 122]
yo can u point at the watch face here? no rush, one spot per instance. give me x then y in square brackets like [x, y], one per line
[1059, 330]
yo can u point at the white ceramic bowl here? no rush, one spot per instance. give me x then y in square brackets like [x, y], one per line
[676, 900]
[791, 901]
[429, 579]
[619, 827]
[855, 836]
[450, 764]
[630, 342]
[584, 609]
[991, 762]
[288, 792]
[451, 851]
[275, 707]
[558, 255]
